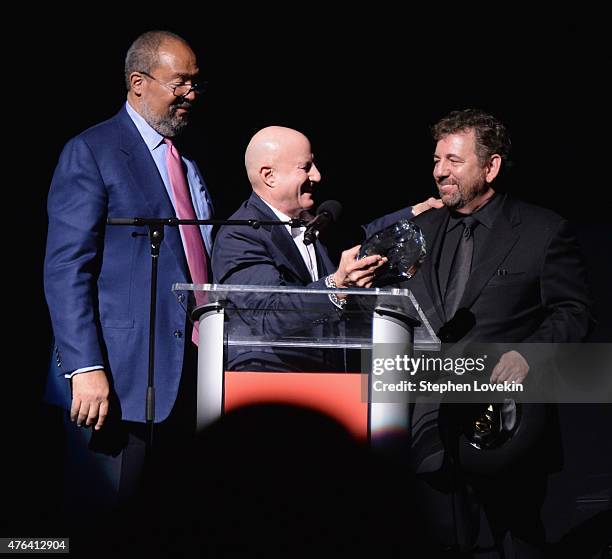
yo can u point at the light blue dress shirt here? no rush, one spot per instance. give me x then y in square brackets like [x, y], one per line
[202, 203]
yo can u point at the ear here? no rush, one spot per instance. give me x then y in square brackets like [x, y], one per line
[493, 167]
[267, 176]
[136, 81]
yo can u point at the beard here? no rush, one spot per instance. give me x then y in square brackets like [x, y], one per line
[464, 193]
[170, 124]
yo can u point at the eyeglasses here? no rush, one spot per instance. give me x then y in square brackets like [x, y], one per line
[178, 90]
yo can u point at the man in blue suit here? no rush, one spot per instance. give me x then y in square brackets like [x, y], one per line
[97, 277]
[283, 174]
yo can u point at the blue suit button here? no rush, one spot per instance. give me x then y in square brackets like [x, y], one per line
[178, 334]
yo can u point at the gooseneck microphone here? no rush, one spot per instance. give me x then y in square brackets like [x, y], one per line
[328, 212]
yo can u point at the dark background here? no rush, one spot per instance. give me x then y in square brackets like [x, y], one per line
[365, 88]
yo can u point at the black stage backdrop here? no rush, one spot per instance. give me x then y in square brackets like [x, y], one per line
[365, 89]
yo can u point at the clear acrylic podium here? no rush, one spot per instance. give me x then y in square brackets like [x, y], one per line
[301, 331]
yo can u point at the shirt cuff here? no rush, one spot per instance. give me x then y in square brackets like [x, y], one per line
[84, 370]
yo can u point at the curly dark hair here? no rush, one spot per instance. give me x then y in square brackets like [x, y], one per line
[491, 135]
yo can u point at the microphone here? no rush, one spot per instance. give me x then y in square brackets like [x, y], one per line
[328, 212]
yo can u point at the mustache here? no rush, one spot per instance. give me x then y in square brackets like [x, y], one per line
[182, 105]
[308, 187]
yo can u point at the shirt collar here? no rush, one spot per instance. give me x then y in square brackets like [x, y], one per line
[293, 231]
[150, 136]
[484, 216]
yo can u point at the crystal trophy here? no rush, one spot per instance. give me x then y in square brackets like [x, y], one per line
[403, 243]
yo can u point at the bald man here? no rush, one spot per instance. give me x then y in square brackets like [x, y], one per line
[282, 172]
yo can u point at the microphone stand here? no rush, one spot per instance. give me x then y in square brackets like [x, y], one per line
[156, 236]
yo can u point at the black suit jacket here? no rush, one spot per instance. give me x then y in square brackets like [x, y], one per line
[527, 285]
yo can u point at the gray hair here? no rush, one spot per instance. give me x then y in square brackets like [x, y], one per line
[143, 54]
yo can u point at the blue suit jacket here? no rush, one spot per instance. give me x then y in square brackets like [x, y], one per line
[268, 256]
[97, 277]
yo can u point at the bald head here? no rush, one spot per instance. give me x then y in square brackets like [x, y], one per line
[268, 146]
[281, 169]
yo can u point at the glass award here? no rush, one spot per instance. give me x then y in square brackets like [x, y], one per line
[403, 244]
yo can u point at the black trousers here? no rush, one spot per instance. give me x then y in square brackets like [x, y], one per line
[485, 516]
[106, 469]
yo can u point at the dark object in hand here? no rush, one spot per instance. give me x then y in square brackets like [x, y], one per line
[403, 244]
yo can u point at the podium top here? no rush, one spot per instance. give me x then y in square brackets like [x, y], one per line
[274, 316]
[230, 288]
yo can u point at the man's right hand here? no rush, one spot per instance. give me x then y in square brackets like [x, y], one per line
[426, 205]
[357, 273]
[90, 393]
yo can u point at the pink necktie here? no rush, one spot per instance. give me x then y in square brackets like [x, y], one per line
[192, 239]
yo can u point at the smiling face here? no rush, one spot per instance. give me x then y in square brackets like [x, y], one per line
[152, 96]
[281, 168]
[296, 176]
[463, 180]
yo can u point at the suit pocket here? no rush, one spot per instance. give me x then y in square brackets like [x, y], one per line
[509, 278]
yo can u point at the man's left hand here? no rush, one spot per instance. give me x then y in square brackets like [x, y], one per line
[511, 366]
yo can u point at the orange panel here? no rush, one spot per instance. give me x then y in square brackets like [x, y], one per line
[335, 394]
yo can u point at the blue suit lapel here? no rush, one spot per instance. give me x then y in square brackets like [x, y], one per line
[287, 250]
[324, 263]
[149, 184]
